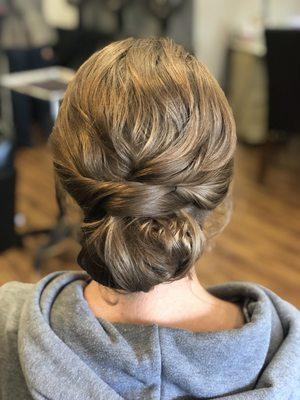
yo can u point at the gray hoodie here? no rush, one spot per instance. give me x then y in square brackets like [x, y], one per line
[53, 347]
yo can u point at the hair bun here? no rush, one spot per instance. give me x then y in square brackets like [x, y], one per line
[144, 143]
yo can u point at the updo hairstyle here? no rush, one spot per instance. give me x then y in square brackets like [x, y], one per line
[144, 143]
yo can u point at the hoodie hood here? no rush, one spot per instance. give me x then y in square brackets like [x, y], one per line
[66, 353]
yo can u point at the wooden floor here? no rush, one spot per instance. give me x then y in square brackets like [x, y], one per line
[261, 244]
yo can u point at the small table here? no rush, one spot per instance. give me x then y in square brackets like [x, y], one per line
[44, 84]
[47, 84]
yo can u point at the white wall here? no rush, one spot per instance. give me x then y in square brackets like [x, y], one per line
[215, 19]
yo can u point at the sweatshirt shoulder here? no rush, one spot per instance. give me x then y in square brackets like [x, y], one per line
[12, 297]
[14, 292]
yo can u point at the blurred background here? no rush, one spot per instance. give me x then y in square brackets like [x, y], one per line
[253, 50]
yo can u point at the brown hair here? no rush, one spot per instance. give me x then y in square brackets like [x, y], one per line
[144, 143]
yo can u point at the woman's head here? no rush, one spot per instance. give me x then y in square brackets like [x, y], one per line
[144, 143]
